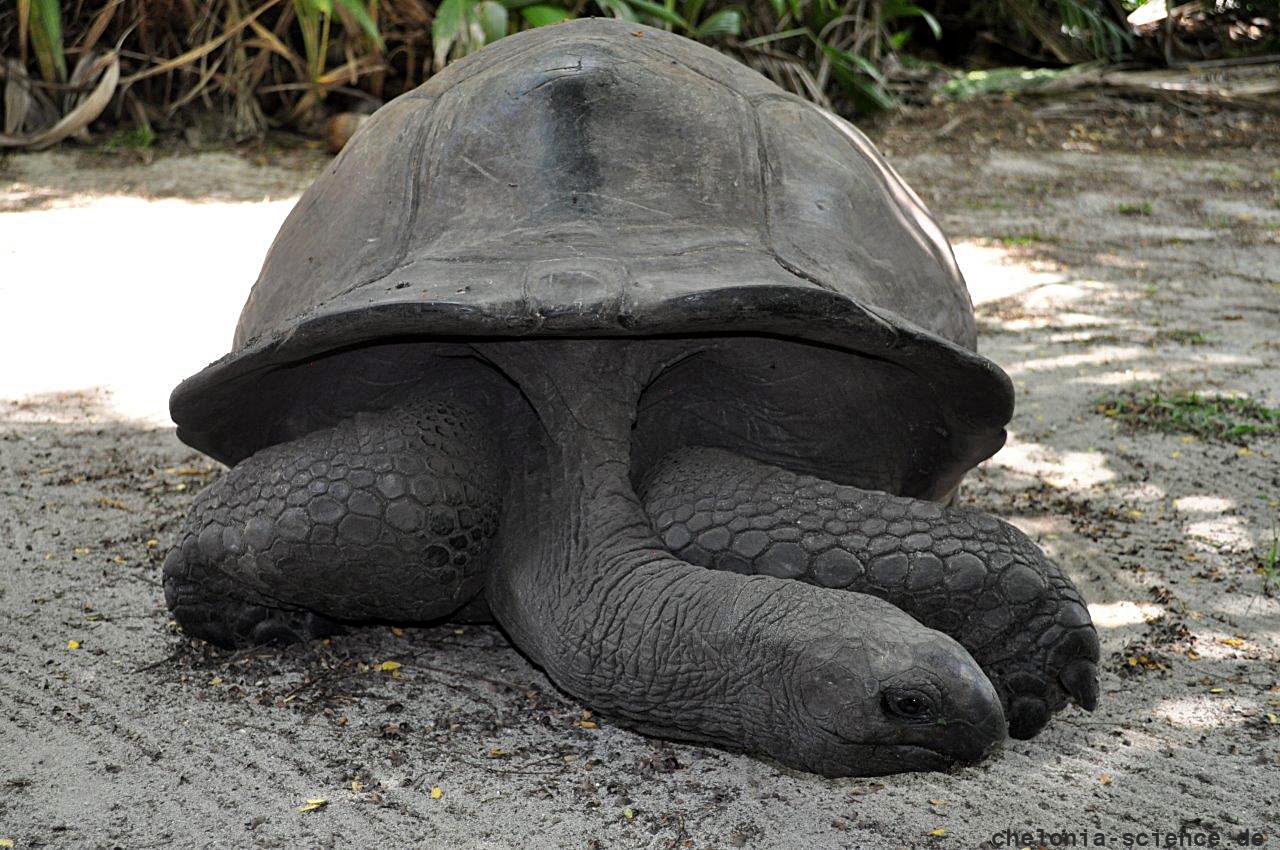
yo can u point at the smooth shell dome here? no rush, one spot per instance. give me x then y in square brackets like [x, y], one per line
[604, 178]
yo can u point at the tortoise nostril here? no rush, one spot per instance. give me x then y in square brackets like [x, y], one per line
[1080, 680]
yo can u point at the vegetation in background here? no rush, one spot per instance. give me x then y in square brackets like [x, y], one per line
[1233, 419]
[1269, 565]
[256, 64]
[997, 81]
[42, 22]
[1135, 208]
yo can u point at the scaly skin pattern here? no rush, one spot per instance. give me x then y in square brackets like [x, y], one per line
[385, 516]
[813, 677]
[956, 570]
[389, 516]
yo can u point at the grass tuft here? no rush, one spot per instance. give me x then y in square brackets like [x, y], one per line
[138, 138]
[1229, 419]
[1133, 209]
[1269, 566]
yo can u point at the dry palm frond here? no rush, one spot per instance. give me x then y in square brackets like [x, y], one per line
[85, 110]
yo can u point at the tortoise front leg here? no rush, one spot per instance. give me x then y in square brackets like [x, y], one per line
[385, 516]
[956, 570]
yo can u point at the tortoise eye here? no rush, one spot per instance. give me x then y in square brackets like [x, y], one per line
[908, 704]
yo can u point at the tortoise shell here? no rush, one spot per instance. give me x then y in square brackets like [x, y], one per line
[602, 178]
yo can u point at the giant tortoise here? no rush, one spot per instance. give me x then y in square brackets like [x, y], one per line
[602, 334]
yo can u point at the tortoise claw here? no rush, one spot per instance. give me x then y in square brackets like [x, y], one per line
[1080, 680]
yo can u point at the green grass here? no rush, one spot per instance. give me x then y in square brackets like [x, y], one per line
[1024, 240]
[997, 81]
[1229, 419]
[1143, 208]
[1181, 336]
[987, 204]
[138, 138]
[1269, 566]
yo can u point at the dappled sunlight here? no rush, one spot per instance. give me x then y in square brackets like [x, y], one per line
[1225, 532]
[993, 272]
[1161, 532]
[1142, 493]
[1203, 504]
[1122, 378]
[1209, 711]
[1059, 295]
[1114, 615]
[1213, 519]
[1072, 469]
[1066, 319]
[1100, 356]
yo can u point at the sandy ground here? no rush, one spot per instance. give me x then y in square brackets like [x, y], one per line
[117, 731]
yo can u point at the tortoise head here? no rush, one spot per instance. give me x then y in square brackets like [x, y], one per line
[895, 698]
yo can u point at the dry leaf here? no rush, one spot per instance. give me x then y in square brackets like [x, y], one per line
[388, 666]
[1104, 779]
[313, 804]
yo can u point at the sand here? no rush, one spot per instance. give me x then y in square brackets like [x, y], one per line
[117, 278]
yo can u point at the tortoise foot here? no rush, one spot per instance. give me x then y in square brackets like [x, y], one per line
[212, 612]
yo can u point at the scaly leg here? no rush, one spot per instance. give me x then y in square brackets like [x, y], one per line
[956, 570]
[386, 516]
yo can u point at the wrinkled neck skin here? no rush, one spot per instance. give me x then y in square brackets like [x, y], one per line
[585, 588]
[573, 506]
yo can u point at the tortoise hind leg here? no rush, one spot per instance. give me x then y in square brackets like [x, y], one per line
[386, 516]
